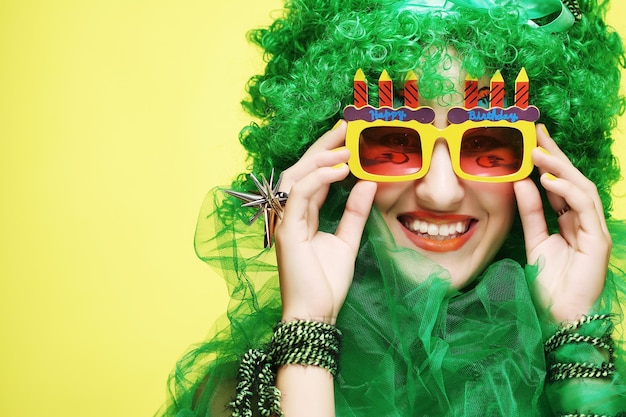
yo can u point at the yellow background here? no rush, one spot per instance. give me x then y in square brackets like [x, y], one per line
[115, 118]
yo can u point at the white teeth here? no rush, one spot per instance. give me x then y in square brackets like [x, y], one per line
[438, 231]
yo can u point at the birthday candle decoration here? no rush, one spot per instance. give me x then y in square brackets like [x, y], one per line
[521, 89]
[360, 89]
[471, 92]
[411, 95]
[385, 90]
[496, 97]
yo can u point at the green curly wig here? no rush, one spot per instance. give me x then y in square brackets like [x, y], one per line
[313, 51]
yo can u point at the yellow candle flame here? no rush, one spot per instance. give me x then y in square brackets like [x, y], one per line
[497, 77]
[522, 77]
[359, 76]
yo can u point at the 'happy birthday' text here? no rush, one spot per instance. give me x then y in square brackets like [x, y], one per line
[387, 115]
[492, 115]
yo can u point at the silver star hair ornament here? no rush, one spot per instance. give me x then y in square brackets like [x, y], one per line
[269, 202]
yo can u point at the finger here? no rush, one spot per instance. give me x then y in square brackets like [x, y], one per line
[356, 213]
[311, 162]
[332, 139]
[545, 141]
[545, 157]
[327, 151]
[563, 168]
[318, 155]
[302, 208]
[530, 209]
[580, 204]
[554, 161]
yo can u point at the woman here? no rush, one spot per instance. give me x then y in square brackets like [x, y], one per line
[454, 294]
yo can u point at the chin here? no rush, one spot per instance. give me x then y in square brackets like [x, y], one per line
[459, 253]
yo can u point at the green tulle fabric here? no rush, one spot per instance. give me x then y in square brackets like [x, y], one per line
[412, 346]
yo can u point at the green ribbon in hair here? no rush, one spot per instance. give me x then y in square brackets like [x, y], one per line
[535, 10]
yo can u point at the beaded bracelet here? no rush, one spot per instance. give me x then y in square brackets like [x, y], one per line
[620, 414]
[300, 342]
[307, 343]
[569, 335]
[584, 415]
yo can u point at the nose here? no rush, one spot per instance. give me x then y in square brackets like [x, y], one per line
[440, 189]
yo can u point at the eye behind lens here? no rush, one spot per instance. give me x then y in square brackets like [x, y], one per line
[390, 150]
[492, 151]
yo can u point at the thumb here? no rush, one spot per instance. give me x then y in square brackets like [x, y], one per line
[356, 212]
[530, 209]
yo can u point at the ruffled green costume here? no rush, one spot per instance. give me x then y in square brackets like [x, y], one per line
[412, 346]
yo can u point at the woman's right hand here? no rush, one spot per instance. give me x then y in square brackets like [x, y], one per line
[316, 268]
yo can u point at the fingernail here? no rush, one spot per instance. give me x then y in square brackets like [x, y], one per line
[550, 176]
[339, 166]
[543, 150]
[337, 124]
[545, 130]
[341, 148]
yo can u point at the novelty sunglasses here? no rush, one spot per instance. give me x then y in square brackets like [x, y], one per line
[485, 144]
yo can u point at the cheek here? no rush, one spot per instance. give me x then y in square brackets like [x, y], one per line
[498, 200]
[388, 194]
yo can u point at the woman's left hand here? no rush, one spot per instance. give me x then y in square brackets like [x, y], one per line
[573, 263]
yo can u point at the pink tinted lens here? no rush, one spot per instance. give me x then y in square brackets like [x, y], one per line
[492, 151]
[390, 150]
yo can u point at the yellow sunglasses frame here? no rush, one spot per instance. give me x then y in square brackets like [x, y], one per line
[429, 134]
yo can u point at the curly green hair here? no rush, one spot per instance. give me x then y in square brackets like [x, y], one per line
[314, 49]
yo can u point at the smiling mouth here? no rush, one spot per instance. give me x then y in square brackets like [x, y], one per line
[436, 231]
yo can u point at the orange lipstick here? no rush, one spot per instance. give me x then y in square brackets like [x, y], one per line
[436, 232]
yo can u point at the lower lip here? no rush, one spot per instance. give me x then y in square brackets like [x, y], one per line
[433, 245]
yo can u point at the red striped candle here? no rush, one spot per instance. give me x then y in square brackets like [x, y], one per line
[360, 89]
[496, 97]
[385, 90]
[411, 95]
[471, 92]
[521, 89]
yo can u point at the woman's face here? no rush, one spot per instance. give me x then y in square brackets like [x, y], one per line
[456, 223]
